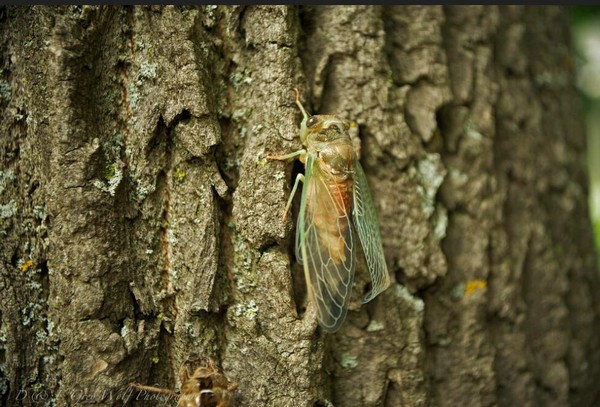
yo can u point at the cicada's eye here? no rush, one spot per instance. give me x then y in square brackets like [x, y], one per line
[312, 121]
[339, 127]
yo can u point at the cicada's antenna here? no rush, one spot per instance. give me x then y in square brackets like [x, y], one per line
[303, 128]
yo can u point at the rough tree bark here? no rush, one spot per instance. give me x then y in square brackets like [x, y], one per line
[140, 224]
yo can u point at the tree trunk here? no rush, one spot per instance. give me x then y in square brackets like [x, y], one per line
[141, 225]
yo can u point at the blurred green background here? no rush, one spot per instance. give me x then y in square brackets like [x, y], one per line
[585, 22]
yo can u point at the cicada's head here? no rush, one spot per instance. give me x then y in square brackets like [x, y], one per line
[320, 128]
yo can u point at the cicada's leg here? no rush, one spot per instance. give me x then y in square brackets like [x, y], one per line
[299, 177]
[289, 156]
[153, 389]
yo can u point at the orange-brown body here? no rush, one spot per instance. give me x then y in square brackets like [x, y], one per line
[334, 164]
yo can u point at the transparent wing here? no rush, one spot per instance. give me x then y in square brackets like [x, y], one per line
[367, 227]
[325, 247]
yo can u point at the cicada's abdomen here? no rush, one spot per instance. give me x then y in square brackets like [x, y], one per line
[333, 201]
[332, 227]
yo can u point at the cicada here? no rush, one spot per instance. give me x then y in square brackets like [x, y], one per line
[202, 385]
[336, 207]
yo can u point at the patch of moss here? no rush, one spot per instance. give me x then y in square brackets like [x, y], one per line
[180, 174]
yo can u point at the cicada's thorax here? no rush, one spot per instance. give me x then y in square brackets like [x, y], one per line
[334, 162]
[334, 157]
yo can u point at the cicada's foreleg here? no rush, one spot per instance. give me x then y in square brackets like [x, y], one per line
[299, 177]
[299, 153]
[153, 389]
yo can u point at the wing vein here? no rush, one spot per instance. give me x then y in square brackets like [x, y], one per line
[325, 246]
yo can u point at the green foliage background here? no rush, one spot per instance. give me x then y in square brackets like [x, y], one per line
[585, 22]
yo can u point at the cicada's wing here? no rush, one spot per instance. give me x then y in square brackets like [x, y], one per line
[367, 226]
[325, 246]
